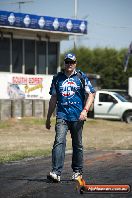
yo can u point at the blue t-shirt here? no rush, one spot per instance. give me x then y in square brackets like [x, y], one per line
[70, 94]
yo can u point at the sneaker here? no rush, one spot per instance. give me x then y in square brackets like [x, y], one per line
[76, 175]
[53, 177]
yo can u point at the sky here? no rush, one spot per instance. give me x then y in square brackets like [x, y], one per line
[109, 21]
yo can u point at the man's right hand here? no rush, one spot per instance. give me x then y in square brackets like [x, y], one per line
[48, 124]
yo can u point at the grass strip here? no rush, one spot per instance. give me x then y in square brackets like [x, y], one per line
[24, 154]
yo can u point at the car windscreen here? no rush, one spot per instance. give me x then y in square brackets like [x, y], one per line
[120, 97]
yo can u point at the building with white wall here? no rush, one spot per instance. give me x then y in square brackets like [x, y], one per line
[30, 51]
[29, 57]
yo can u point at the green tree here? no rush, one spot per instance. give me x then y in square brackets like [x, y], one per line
[107, 62]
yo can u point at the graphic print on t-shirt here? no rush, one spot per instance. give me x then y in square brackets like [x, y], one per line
[68, 88]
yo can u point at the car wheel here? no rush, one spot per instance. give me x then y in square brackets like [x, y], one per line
[128, 117]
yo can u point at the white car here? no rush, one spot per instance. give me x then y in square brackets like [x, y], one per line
[112, 105]
[15, 92]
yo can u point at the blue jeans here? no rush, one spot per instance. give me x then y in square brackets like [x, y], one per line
[58, 151]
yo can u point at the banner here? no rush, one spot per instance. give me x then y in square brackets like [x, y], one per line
[127, 56]
[41, 23]
[21, 86]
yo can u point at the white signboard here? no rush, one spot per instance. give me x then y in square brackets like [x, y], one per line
[130, 86]
[21, 86]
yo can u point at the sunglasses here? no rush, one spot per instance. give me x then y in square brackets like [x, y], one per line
[70, 62]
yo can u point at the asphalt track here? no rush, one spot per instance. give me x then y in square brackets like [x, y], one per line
[27, 178]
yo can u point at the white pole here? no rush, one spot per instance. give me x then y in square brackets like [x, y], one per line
[75, 7]
[75, 16]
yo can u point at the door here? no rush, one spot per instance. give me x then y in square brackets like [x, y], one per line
[107, 107]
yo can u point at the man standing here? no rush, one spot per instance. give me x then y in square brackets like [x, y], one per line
[73, 94]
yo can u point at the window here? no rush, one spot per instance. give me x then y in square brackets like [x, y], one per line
[29, 56]
[52, 57]
[106, 98]
[120, 97]
[5, 54]
[44, 56]
[41, 57]
[17, 56]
